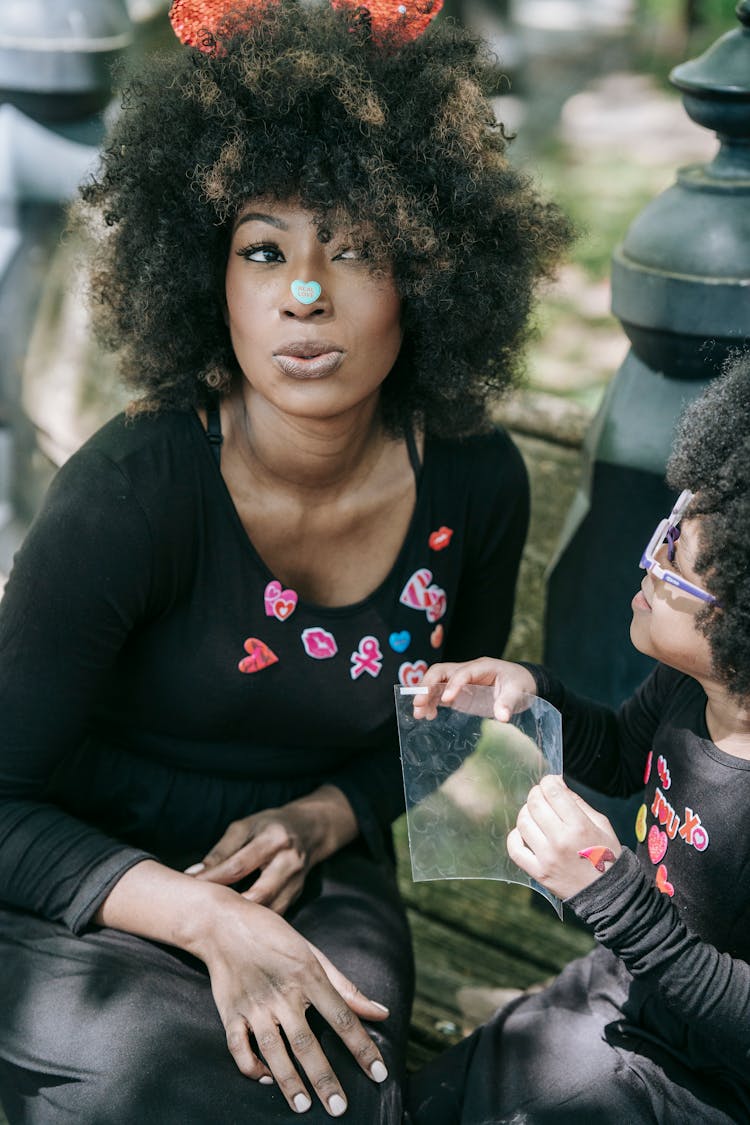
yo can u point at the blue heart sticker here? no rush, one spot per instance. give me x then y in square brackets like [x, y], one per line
[399, 642]
[305, 291]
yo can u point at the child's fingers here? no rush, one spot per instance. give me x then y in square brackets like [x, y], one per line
[481, 672]
[521, 854]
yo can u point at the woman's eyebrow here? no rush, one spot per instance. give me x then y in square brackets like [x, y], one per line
[260, 217]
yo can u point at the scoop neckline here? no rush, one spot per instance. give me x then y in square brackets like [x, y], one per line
[261, 565]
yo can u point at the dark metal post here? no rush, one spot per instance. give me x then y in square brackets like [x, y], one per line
[681, 287]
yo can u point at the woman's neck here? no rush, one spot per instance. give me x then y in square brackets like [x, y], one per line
[303, 454]
[728, 720]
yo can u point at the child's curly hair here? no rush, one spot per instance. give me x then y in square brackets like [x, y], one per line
[712, 458]
[398, 139]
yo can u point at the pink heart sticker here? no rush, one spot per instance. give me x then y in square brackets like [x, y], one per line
[279, 603]
[409, 675]
[662, 882]
[259, 656]
[436, 605]
[414, 593]
[657, 844]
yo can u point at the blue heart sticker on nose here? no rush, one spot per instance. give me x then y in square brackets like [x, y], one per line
[305, 291]
[399, 642]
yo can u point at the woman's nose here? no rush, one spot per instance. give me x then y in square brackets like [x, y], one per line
[305, 299]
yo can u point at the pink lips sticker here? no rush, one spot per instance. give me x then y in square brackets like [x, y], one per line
[259, 656]
[440, 539]
[657, 844]
[319, 643]
[279, 603]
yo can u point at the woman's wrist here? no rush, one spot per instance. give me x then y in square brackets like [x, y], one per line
[156, 902]
[329, 821]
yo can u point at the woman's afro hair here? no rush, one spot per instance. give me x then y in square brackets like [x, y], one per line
[712, 458]
[397, 140]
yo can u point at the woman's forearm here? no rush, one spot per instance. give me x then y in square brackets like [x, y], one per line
[153, 901]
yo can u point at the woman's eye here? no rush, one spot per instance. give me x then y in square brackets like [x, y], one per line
[352, 254]
[263, 253]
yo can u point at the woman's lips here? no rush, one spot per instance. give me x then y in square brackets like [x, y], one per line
[316, 364]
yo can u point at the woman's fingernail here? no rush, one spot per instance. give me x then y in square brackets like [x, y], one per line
[195, 869]
[337, 1105]
[382, 1007]
[266, 1080]
[378, 1071]
[301, 1103]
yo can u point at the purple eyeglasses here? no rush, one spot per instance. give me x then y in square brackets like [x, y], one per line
[668, 532]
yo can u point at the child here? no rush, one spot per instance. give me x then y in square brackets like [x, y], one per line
[654, 1024]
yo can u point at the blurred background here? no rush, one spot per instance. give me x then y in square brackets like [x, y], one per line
[583, 85]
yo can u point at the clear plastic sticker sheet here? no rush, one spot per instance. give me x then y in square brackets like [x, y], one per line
[466, 776]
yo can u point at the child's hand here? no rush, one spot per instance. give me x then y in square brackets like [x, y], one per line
[509, 681]
[560, 840]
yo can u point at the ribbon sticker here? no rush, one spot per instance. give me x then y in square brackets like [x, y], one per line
[368, 658]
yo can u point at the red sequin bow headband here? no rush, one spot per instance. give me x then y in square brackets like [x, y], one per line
[195, 21]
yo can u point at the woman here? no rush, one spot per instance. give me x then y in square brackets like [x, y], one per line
[317, 266]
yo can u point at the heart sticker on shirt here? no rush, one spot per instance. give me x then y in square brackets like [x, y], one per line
[409, 675]
[279, 603]
[436, 636]
[259, 656]
[662, 882]
[657, 844]
[399, 642]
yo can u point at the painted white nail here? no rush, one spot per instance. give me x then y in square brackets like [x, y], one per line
[337, 1105]
[301, 1103]
[195, 869]
[266, 1080]
[381, 1006]
[378, 1071]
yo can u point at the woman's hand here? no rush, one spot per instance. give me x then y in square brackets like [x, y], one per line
[508, 680]
[264, 976]
[282, 845]
[560, 840]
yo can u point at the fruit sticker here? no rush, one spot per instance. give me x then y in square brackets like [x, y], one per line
[368, 658]
[319, 643]
[640, 824]
[259, 656]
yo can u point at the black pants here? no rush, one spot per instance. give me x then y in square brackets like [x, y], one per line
[564, 1057]
[109, 1029]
